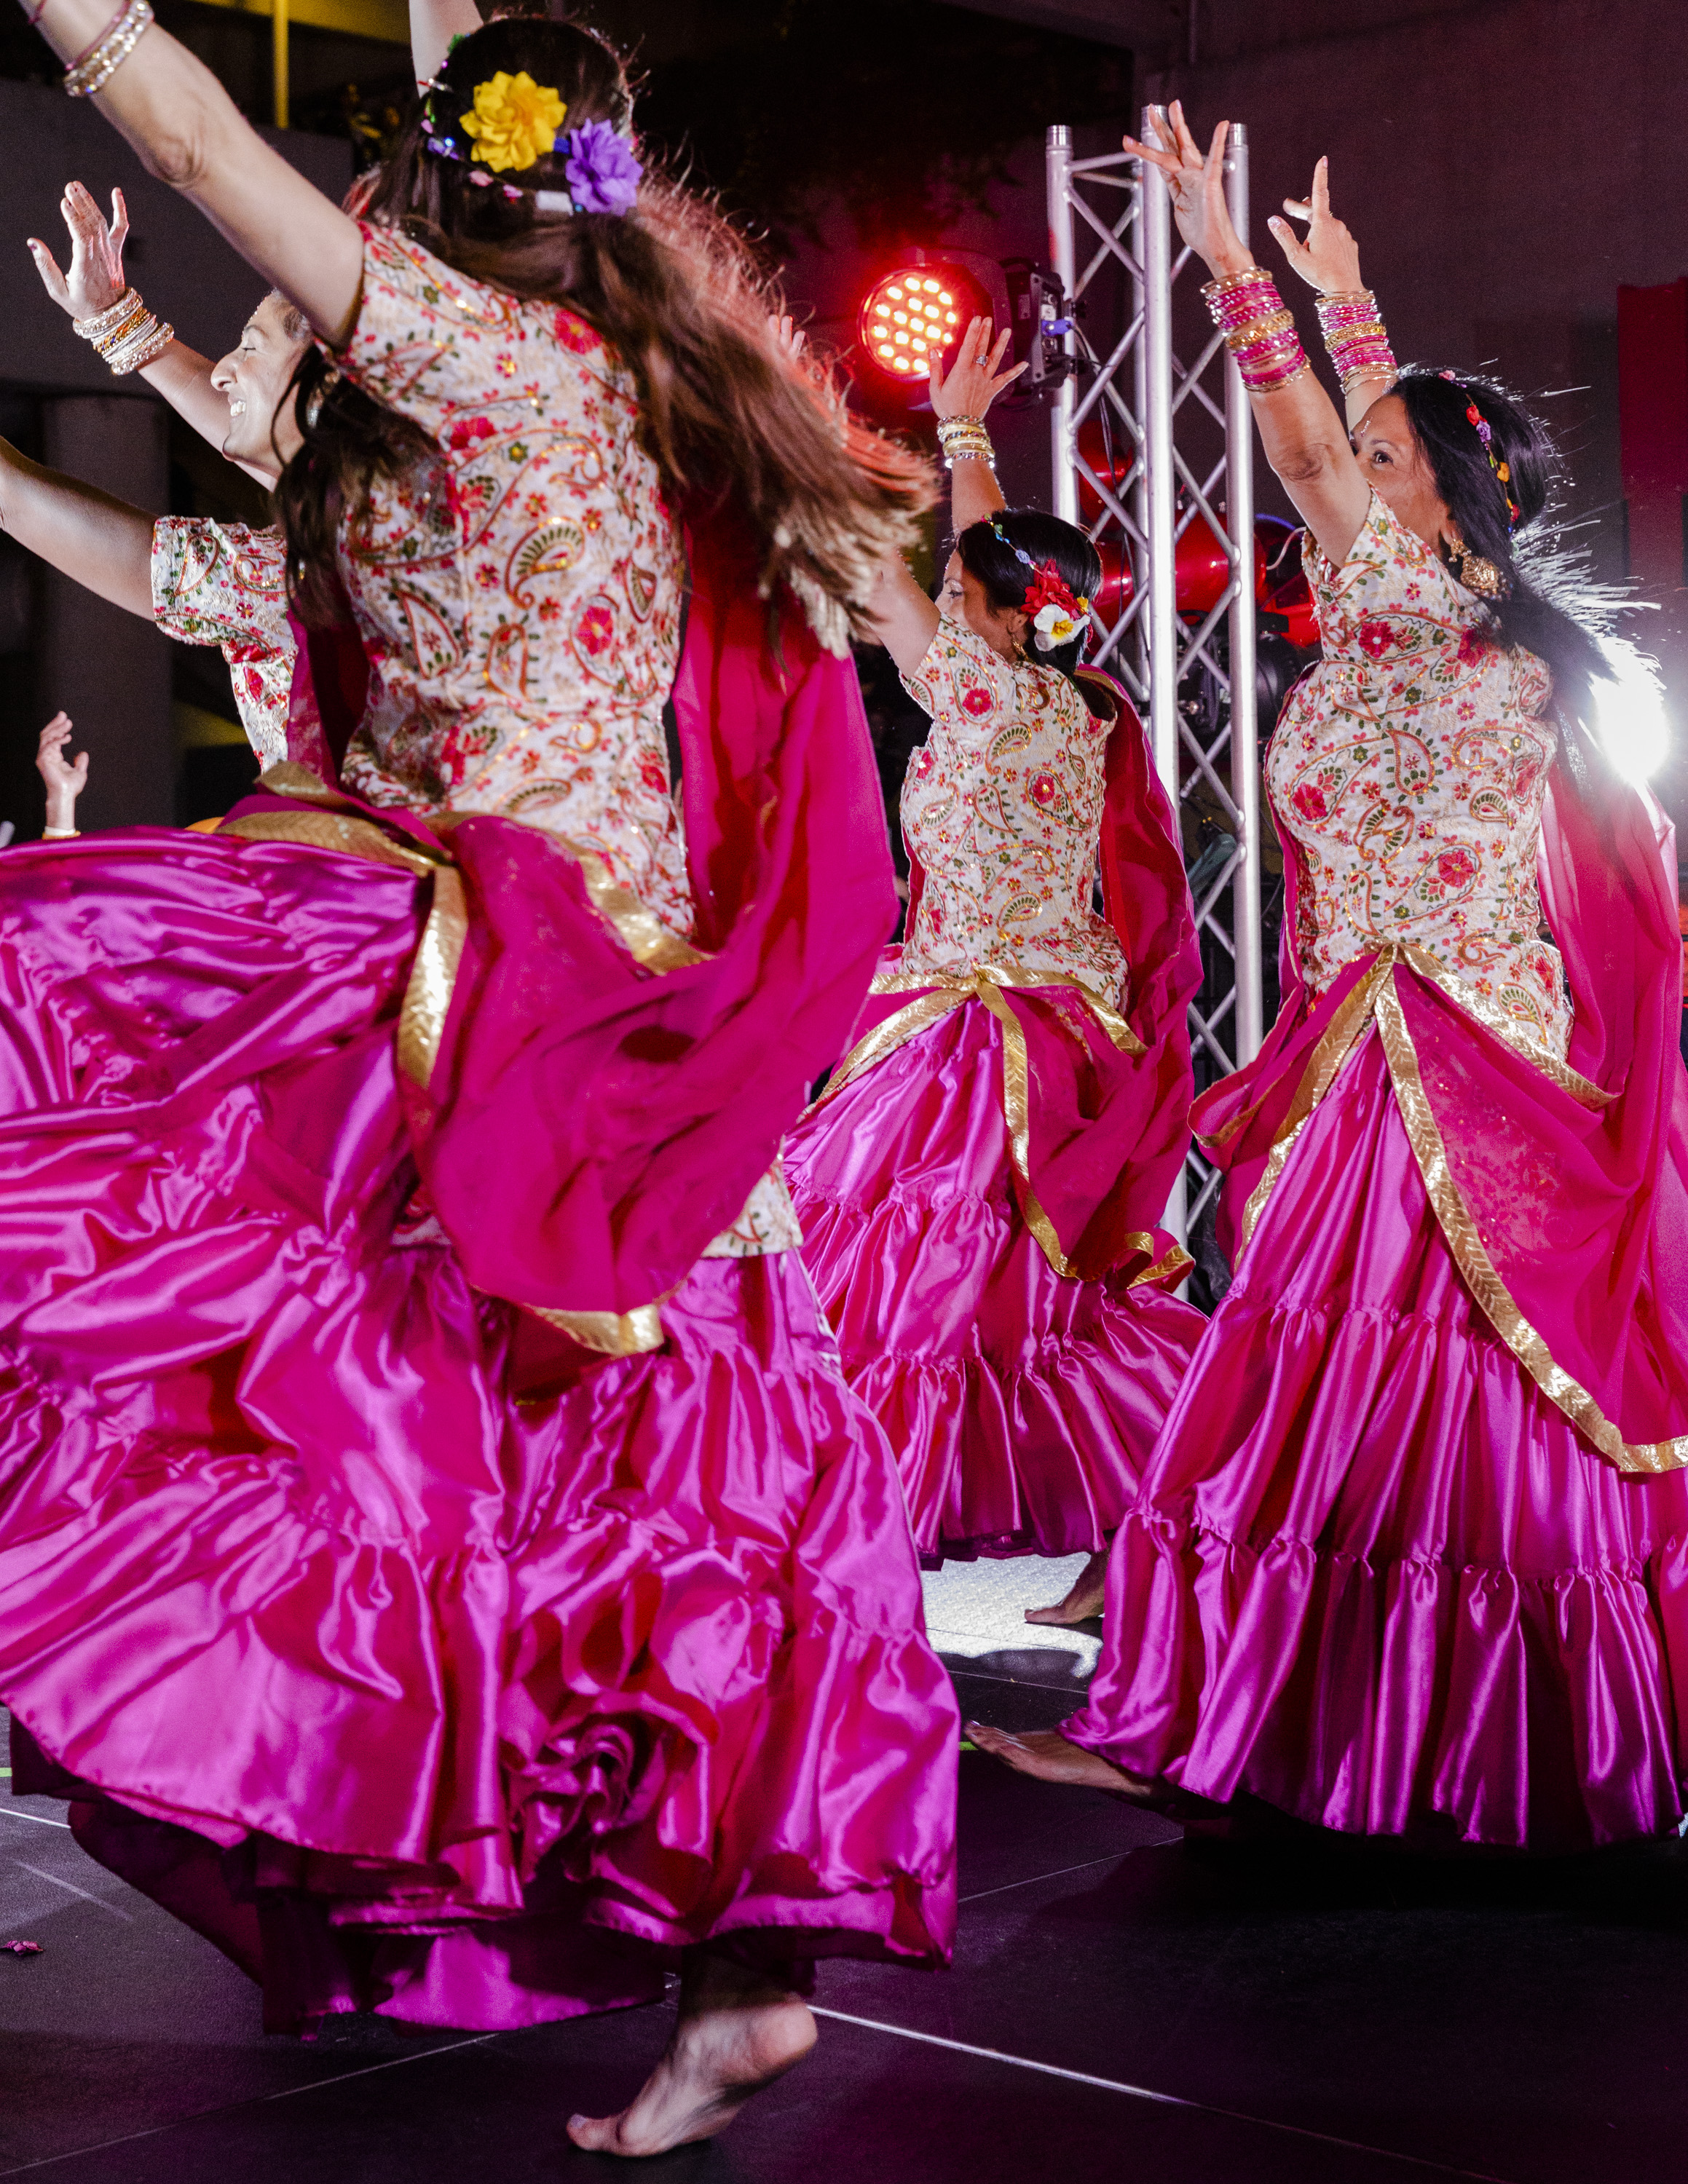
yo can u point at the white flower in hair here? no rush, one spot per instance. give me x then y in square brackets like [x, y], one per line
[1055, 627]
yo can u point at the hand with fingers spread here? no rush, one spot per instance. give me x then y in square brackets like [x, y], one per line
[1196, 183]
[65, 778]
[95, 279]
[973, 380]
[1329, 260]
[791, 340]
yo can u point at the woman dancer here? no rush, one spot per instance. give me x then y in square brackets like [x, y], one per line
[980, 1184]
[576, 1613]
[1408, 1560]
[201, 580]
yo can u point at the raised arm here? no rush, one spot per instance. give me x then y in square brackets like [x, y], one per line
[433, 25]
[93, 281]
[190, 133]
[1328, 261]
[962, 399]
[104, 544]
[1305, 440]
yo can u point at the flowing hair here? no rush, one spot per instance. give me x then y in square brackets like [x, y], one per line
[673, 291]
[1548, 605]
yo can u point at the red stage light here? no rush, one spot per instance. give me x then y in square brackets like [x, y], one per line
[914, 315]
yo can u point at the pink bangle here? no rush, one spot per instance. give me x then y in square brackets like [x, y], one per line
[35, 14]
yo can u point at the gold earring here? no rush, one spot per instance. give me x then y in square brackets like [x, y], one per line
[1475, 571]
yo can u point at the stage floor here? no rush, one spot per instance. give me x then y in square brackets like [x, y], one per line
[1123, 2004]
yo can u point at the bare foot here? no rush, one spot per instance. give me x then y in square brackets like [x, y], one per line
[1084, 1600]
[738, 2032]
[1052, 1758]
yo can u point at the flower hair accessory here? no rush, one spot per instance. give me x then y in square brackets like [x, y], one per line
[1485, 432]
[513, 125]
[513, 122]
[1058, 616]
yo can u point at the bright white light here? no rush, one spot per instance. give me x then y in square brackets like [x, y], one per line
[1629, 714]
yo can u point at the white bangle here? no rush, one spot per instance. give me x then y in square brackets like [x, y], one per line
[58, 833]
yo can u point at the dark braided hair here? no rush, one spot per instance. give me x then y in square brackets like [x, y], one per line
[1006, 577]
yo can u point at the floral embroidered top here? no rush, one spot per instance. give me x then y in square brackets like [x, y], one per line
[1002, 807]
[519, 598]
[224, 583]
[1408, 772]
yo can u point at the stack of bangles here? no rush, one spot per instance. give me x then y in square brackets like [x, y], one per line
[127, 334]
[964, 435]
[1354, 335]
[92, 70]
[1259, 332]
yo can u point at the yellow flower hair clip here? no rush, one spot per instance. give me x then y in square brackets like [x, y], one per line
[514, 121]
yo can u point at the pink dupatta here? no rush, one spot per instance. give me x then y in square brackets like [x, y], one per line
[593, 1099]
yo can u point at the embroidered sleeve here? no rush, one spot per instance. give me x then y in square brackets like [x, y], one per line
[445, 350]
[220, 583]
[225, 584]
[965, 685]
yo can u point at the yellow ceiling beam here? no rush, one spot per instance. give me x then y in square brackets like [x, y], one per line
[388, 20]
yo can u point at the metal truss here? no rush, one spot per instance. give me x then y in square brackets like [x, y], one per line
[1190, 436]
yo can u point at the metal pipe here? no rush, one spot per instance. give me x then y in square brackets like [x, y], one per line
[279, 58]
[1162, 618]
[1245, 773]
[1158, 503]
[1064, 263]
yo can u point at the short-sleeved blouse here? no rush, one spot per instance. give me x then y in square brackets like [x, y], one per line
[1409, 772]
[1002, 807]
[519, 597]
[226, 584]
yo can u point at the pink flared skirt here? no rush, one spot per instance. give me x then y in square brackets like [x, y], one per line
[1021, 1405]
[1373, 1575]
[419, 1686]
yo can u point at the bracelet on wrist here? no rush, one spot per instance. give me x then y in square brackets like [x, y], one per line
[1259, 332]
[126, 335]
[58, 833]
[94, 68]
[1355, 338]
[961, 436]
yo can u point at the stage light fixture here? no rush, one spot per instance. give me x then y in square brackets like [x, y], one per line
[915, 313]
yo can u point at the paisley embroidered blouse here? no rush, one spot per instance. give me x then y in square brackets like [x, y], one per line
[1002, 807]
[519, 596]
[1408, 773]
[226, 584]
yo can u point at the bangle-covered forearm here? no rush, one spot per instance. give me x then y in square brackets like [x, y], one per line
[1358, 346]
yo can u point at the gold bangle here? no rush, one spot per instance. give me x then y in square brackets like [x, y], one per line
[93, 69]
[145, 348]
[96, 328]
[58, 833]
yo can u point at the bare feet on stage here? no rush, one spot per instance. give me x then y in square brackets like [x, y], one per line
[1052, 1758]
[1084, 1600]
[738, 2032]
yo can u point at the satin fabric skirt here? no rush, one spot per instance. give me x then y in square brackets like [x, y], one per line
[1373, 1576]
[1021, 1405]
[418, 1685]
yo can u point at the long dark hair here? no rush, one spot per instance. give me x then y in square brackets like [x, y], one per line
[673, 290]
[1006, 577]
[1547, 606]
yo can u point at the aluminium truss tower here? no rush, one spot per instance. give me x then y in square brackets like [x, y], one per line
[1187, 434]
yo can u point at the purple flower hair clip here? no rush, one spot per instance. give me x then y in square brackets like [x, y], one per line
[603, 173]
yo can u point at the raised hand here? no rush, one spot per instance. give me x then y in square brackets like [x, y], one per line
[1329, 260]
[1198, 187]
[788, 339]
[95, 280]
[974, 381]
[65, 778]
